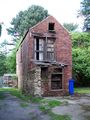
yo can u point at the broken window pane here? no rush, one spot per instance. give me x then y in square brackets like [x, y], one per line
[41, 56]
[41, 44]
[39, 48]
[50, 50]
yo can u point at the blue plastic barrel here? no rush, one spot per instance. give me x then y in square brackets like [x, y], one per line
[71, 86]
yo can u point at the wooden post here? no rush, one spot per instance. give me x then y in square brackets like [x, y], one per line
[46, 47]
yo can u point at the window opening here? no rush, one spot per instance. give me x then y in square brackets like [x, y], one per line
[56, 81]
[50, 50]
[39, 47]
[51, 26]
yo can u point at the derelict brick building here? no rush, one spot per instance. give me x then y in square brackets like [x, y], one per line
[44, 59]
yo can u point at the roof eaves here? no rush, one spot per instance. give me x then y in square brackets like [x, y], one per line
[22, 39]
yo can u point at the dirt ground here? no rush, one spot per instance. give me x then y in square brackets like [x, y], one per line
[12, 108]
[76, 107]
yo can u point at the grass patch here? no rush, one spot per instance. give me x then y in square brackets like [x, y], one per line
[45, 109]
[54, 103]
[2, 95]
[47, 105]
[59, 117]
[18, 94]
[82, 90]
[35, 99]
[14, 92]
[24, 105]
[51, 103]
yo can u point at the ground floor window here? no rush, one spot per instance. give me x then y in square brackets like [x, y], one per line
[56, 81]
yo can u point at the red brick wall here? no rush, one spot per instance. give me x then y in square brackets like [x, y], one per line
[63, 46]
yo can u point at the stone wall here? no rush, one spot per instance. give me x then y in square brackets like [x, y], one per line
[32, 82]
[37, 82]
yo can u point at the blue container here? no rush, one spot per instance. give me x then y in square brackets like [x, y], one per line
[71, 87]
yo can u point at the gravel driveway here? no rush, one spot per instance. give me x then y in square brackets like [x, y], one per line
[11, 108]
[76, 107]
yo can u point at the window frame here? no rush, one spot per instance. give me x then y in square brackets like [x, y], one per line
[38, 51]
[45, 45]
[50, 45]
[62, 81]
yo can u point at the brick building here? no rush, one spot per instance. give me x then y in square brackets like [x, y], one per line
[44, 59]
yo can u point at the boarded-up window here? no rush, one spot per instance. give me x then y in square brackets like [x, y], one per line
[50, 50]
[56, 81]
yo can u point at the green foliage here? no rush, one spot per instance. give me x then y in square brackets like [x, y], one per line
[7, 60]
[82, 90]
[51, 103]
[14, 92]
[45, 109]
[20, 95]
[11, 62]
[81, 40]
[48, 104]
[0, 29]
[26, 19]
[21, 23]
[59, 117]
[4, 47]
[35, 99]
[81, 58]
[70, 26]
[2, 96]
[53, 116]
[3, 67]
[24, 105]
[85, 11]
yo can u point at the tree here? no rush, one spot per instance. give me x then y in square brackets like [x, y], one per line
[26, 19]
[80, 40]
[81, 58]
[22, 22]
[70, 26]
[3, 67]
[0, 29]
[11, 62]
[11, 59]
[85, 11]
[7, 58]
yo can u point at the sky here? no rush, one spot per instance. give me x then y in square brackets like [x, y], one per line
[65, 11]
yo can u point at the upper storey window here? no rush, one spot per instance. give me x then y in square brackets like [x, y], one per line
[39, 49]
[51, 26]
